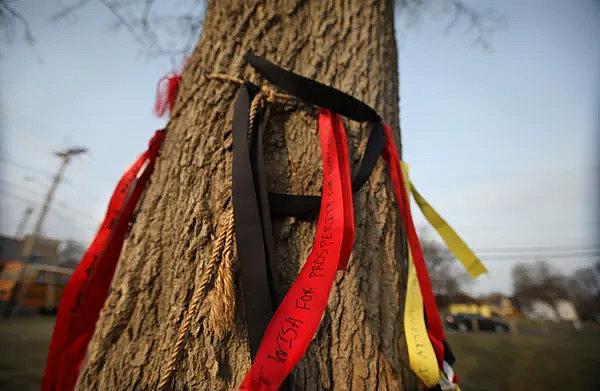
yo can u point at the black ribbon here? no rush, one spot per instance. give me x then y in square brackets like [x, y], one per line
[249, 233]
[321, 95]
[312, 91]
[307, 206]
[253, 205]
[260, 182]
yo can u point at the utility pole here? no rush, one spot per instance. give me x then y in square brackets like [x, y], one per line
[20, 285]
[24, 219]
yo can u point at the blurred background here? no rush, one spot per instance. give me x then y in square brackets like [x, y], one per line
[500, 125]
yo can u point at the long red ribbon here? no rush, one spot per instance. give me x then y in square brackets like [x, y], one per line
[295, 322]
[341, 144]
[84, 294]
[432, 316]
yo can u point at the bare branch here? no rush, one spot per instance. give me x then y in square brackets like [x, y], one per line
[8, 18]
[485, 23]
[146, 41]
[150, 25]
[480, 23]
[159, 34]
[69, 10]
[146, 13]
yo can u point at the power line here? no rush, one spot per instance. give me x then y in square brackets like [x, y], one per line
[58, 202]
[57, 206]
[48, 175]
[534, 259]
[19, 187]
[82, 190]
[528, 249]
[542, 254]
[17, 196]
[25, 167]
[31, 178]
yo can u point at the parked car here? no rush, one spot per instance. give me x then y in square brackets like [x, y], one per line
[470, 322]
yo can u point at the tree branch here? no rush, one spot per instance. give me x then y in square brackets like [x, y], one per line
[148, 41]
[145, 21]
[69, 10]
[484, 23]
[8, 16]
[148, 27]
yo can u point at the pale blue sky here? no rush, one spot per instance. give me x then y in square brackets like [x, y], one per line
[503, 143]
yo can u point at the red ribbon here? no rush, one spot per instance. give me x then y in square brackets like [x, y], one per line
[341, 145]
[84, 294]
[432, 316]
[295, 322]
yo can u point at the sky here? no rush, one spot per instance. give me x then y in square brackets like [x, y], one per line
[503, 142]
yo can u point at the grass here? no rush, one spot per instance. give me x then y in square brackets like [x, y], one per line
[484, 361]
[23, 348]
[488, 361]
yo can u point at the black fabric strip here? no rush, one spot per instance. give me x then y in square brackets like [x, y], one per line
[374, 148]
[255, 287]
[260, 183]
[307, 207]
[312, 91]
[303, 207]
[448, 354]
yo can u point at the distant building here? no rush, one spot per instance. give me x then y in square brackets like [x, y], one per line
[71, 253]
[565, 310]
[539, 310]
[444, 300]
[558, 310]
[9, 248]
[473, 308]
[502, 306]
[45, 250]
[492, 305]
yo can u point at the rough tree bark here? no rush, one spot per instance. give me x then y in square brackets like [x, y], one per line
[349, 44]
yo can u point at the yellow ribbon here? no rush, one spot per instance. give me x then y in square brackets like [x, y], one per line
[421, 355]
[455, 244]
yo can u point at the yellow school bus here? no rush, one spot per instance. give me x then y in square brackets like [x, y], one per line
[42, 284]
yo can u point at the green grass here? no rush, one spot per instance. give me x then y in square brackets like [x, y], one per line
[23, 348]
[484, 361]
[488, 361]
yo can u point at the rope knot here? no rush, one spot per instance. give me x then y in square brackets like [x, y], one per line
[273, 96]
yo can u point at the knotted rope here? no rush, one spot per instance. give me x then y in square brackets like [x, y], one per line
[221, 312]
[268, 93]
[264, 95]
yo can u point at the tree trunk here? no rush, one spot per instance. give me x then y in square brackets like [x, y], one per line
[360, 344]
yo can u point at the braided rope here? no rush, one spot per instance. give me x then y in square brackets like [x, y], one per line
[257, 104]
[222, 310]
[197, 297]
[222, 303]
[225, 77]
[269, 93]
